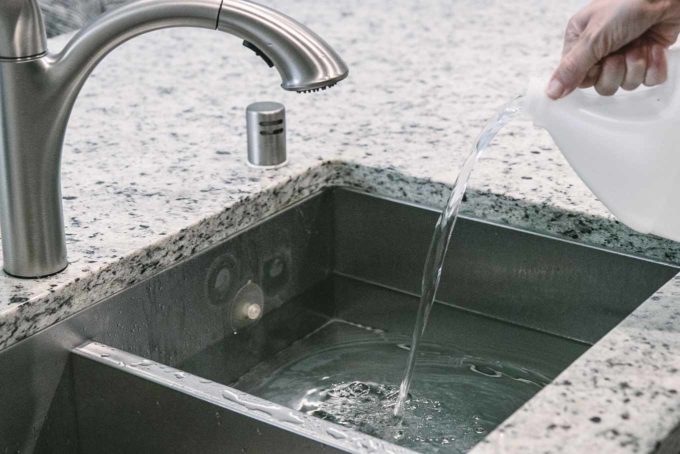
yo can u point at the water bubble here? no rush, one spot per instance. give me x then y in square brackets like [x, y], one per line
[142, 363]
[485, 370]
[231, 396]
[335, 433]
[291, 418]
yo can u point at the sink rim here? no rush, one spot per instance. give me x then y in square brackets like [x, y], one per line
[212, 392]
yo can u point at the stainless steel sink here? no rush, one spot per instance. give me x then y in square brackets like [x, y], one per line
[159, 368]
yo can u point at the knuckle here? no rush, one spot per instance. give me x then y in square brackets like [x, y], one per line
[615, 62]
[598, 41]
[573, 30]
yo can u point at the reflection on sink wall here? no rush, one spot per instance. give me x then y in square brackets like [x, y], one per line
[342, 255]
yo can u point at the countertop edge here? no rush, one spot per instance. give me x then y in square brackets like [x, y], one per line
[29, 316]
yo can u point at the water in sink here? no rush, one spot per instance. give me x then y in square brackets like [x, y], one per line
[350, 382]
[345, 373]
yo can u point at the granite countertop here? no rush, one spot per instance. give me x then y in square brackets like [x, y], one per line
[62, 16]
[154, 171]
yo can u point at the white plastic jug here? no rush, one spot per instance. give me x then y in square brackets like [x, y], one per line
[626, 148]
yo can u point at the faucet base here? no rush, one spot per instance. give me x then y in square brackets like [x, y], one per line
[35, 277]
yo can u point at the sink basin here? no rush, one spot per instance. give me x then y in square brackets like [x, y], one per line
[174, 364]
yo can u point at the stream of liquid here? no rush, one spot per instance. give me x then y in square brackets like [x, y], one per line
[441, 238]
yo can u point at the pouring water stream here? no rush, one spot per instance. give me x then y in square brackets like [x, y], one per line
[441, 238]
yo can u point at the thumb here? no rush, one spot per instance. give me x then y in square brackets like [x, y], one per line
[572, 70]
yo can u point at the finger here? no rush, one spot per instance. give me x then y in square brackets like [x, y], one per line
[592, 76]
[636, 67]
[572, 70]
[612, 76]
[657, 69]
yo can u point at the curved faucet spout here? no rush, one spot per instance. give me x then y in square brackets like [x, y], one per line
[304, 60]
[88, 47]
[38, 91]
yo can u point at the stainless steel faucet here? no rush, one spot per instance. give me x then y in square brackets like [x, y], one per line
[38, 90]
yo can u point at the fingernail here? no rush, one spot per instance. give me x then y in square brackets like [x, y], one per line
[653, 77]
[555, 89]
[655, 74]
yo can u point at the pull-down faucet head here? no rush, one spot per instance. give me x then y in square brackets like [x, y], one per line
[304, 60]
[38, 90]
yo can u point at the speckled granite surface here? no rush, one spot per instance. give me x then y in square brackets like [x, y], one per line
[154, 171]
[62, 16]
[621, 396]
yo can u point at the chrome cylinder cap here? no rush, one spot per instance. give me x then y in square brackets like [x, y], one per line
[266, 122]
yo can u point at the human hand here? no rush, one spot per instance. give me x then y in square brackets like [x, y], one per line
[616, 43]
